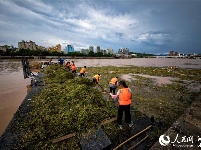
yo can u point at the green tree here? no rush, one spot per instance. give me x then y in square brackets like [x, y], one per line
[91, 54]
[98, 54]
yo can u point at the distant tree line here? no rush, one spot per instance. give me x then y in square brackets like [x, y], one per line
[90, 54]
[27, 52]
[139, 55]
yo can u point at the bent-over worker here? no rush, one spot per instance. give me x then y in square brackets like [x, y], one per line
[68, 65]
[96, 78]
[113, 85]
[73, 68]
[82, 71]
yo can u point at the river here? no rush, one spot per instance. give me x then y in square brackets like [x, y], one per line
[13, 85]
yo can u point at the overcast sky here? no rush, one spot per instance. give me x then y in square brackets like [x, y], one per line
[150, 26]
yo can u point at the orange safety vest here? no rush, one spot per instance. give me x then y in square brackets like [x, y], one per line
[83, 70]
[97, 77]
[113, 81]
[125, 97]
[68, 64]
[73, 67]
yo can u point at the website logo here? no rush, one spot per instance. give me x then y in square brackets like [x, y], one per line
[164, 140]
[180, 141]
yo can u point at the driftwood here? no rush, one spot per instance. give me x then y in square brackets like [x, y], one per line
[132, 137]
[63, 137]
[73, 134]
[138, 143]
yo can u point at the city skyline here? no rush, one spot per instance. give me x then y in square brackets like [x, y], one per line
[69, 48]
[147, 26]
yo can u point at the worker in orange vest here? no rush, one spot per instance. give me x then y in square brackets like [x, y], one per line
[113, 84]
[73, 68]
[68, 65]
[96, 78]
[82, 71]
[73, 63]
[124, 96]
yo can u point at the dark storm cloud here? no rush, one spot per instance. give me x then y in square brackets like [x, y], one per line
[142, 25]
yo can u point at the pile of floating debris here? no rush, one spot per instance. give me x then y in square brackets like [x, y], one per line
[55, 110]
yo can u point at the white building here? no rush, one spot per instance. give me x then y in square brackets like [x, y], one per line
[123, 51]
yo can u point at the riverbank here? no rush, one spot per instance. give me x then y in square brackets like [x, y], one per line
[151, 98]
[11, 77]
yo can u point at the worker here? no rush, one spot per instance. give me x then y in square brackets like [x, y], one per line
[50, 61]
[73, 63]
[60, 61]
[113, 85]
[96, 78]
[68, 65]
[124, 96]
[26, 68]
[65, 62]
[82, 71]
[73, 68]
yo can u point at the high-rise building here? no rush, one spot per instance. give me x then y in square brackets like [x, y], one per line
[27, 45]
[97, 49]
[123, 51]
[4, 48]
[55, 48]
[103, 51]
[171, 53]
[176, 54]
[30, 45]
[84, 51]
[109, 51]
[69, 48]
[91, 48]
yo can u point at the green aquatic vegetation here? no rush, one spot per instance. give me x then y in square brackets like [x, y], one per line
[56, 73]
[61, 109]
[77, 106]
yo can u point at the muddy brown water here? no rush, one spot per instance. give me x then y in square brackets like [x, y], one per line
[146, 62]
[13, 85]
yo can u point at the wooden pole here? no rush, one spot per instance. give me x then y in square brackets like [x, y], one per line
[132, 137]
[63, 137]
[138, 143]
